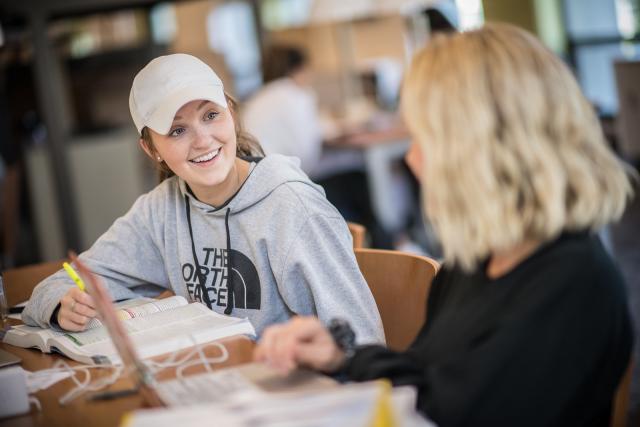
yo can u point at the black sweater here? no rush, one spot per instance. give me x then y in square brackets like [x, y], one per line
[544, 345]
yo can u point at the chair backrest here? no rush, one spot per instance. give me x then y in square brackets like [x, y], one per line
[621, 399]
[20, 281]
[400, 283]
[358, 233]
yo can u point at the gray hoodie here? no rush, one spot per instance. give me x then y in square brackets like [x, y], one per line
[290, 253]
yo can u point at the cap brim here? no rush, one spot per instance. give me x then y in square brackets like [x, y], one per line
[162, 118]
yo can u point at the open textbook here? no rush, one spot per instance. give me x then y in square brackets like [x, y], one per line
[155, 327]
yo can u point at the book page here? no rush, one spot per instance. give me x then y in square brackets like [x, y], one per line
[160, 332]
[181, 315]
[181, 328]
[139, 307]
[155, 306]
[211, 387]
[102, 351]
[30, 336]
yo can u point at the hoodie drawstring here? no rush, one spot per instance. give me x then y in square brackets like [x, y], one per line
[230, 287]
[199, 275]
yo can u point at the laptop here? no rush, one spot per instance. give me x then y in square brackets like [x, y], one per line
[246, 381]
[8, 359]
[251, 393]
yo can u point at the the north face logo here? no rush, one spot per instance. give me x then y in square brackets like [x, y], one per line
[213, 270]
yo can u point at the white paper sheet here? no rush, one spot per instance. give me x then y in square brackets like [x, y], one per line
[41, 380]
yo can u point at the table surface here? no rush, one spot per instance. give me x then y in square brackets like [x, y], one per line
[81, 412]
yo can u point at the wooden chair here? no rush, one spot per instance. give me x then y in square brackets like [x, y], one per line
[620, 407]
[20, 281]
[399, 282]
[358, 233]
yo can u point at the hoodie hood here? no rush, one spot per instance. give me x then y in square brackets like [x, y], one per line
[264, 178]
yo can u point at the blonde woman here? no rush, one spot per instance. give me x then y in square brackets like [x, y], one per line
[527, 320]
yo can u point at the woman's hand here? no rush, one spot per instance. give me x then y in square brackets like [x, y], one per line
[303, 341]
[76, 310]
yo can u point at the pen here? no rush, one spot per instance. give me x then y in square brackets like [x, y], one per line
[72, 273]
[113, 394]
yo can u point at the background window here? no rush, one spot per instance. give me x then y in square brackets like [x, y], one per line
[601, 32]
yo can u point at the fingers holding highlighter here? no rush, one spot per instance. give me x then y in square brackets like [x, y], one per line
[77, 307]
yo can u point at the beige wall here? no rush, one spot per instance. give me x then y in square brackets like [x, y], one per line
[336, 48]
[381, 37]
[318, 41]
[520, 12]
[541, 17]
[332, 47]
[371, 38]
[191, 23]
[191, 36]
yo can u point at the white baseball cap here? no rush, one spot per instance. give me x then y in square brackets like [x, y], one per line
[167, 83]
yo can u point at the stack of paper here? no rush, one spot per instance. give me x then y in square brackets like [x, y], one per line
[351, 405]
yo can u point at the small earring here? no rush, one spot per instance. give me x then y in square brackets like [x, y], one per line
[159, 158]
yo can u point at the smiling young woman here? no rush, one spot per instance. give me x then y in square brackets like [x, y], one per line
[201, 148]
[244, 234]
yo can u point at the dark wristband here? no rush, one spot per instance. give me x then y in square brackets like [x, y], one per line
[343, 335]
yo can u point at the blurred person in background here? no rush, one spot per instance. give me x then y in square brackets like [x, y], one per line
[527, 322]
[283, 115]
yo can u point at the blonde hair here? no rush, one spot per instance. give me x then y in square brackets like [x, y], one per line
[512, 149]
[246, 144]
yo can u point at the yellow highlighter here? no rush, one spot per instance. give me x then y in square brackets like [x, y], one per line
[72, 273]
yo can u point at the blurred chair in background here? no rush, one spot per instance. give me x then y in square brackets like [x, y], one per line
[358, 234]
[20, 281]
[621, 400]
[283, 114]
[399, 282]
